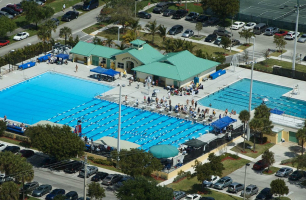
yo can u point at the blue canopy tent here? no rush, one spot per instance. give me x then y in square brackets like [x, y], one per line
[111, 72]
[276, 111]
[220, 124]
[99, 70]
[61, 57]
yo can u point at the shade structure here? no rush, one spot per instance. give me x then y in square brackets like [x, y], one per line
[163, 151]
[277, 111]
[195, 143]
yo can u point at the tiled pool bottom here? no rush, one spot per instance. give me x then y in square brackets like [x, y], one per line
[236, 97]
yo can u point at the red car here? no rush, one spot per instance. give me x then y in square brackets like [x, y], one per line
[4, 42]
[15, 7]
[260, 165]
[281, 33]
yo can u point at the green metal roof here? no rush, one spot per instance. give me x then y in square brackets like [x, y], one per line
[138, 42]
[146, 54]
[83, 48]
[178, 66]
[105, 52]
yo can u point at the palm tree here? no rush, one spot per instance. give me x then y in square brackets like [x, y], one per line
[152, 28]
[44, 34]
[65, 33]
[244, 117]
[168, 45]
[97, 40]
[109, 41]
[189, 46]
[162, 31]
[178, 45]
[122, 46]
[256, 125]
[135, 26]
[129, 36]
[301, 137]
[262, 111]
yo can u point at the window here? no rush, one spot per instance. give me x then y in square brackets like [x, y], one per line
[103, 60]
[120, 65]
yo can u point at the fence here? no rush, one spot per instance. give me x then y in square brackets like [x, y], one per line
[289, 73]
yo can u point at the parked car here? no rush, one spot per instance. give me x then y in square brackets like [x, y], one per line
[249, 26]
[90, 4]
[302, 39]
[21, 36]
[259, 28]
[177, 195]
[144, 15]
[91, 170]
[207, 198]
[179, 14]
[56, 21]
[210, 181]
[28, 187]
[284, 171]
[4, 43]
[160, 7]
[193, 197]
[112, 179]
[235, 42]
[27, 153]
[2, 13]
[235, 187]
[4, 178]
[260, 165]
[2, 146]
[55, 193]
[222, 32]
[41, 190]
[281, 33]
[10, 11]
[218, 41]
[192, 16]
[175, 30]
[119, 184]
[213, 20]
[13, 149]
[48, 162]
[297, 175]
[202, 18]
[82, 198]
[271, 31]
[250, 190]
[15, 7]
[72, 195]
[74, 167]
[237, 25]
[99, 176]
[264, 194]
[188, 33]
[223, 183]
[291, 35]
[211, 37]
[70, 15]
[61, 165]
[168, 12]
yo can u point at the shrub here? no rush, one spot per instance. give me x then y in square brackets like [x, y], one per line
[222, 66]
[164, 176]
[2, 127]
[286, 161]
[102, 162]
[181, 175]
[91, 158]
[9, 135]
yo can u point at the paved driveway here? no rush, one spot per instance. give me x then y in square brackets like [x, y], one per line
[285, 151]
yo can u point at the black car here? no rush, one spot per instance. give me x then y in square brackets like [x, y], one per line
[168, 12]
[179, 14]
[202, 18]
[72, 195]
[70, 15]
[264, 194]
[213, 20]
[222, 32]
[13, 149]
[161, 7]
[144, 15]
[54, 193]
[297, 175]
[74, 167]
[175, 30]
[48, 162]
[10, 11]
[304, 58]
[27, 153]
[29, 187]
[99, 176]
[211, 37]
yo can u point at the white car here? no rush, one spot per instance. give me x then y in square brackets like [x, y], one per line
[193, 197]
[237, 25]
[291, 35]
[249, 25]
[210, 181]
[21, 36]
[2, 146]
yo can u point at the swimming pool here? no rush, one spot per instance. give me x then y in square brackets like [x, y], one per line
[46, 95]
[236, 97]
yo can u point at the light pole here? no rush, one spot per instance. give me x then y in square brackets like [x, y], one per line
[246, 165]
[119, 125]
[119, 27]
[295, 35]
[135, 7]
[251, 88]
[231, 36]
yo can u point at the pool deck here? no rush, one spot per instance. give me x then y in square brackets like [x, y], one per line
[133, 93]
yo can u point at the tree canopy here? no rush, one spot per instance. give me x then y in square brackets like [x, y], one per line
[222, 8]
[280, 42]
[137, 162]
[268, 157]
[2, 127]
[142, 188]
[96, 191]
[58, 142]
[279, 187]
[225, 42]
[9, 190]
[65, 33]
[300, 135]
[7, 25]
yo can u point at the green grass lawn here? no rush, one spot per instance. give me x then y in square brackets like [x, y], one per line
[58, 4]
[98, 165]
[243, 47]
[277, 53]
[190, 7]
[272, 170]
[95, 27]
[258, 147]
[232, 165]
[197, 38]
[32, 198]
[283, 198]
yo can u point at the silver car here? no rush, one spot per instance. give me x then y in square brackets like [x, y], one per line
[302, 39]
[284, 171]
[235, 187]
[42, 190]
[188, 33]
[250, 190]
[6, 15]
[91, 170]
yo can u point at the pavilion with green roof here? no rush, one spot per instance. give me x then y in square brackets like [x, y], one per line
[143, 60]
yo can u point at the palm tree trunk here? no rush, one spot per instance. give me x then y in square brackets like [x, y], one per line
[302, 146]
[254, 143]
[243, 136]
[65, 39]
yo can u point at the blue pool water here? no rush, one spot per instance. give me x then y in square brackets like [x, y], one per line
[46, 95]
[65, 100]
[236, 97]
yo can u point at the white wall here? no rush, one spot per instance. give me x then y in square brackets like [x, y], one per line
[142, 76]
[169, 82]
